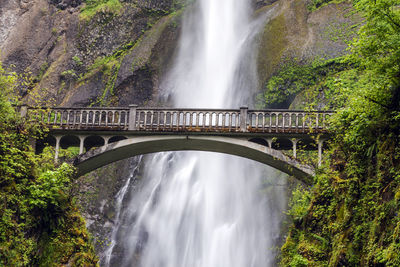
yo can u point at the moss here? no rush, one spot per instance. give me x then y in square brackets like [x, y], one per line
[69, 244]
[92, 7]
[299, 85]
[272, 47]
[109, 66]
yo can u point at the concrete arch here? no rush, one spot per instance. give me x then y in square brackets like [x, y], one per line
[138, 145]
[116, 138]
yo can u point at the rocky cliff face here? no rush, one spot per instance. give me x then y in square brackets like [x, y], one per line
[116, 53]
[103, 56]
[295, 34]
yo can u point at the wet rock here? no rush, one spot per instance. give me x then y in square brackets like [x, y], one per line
[64, 4]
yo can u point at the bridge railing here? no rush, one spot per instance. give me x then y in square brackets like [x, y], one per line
[281, 121]
[184, 120]
[84, 118]
[229, 120]
[194, 120]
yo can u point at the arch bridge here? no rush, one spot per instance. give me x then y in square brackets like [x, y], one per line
[121, 132]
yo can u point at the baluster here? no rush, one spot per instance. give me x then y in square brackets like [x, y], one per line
[230, 121]
[176, 119]
[74, 114]
[56, 117]
[165, 120]
[118, 118]
[151, 119]
[68, 117]
[158, 120]
[106, 119]
[237, 121]
[87, 117]
[317, 123]
[184, 120]
[145, 120]
[283, 122]
[257, 113]
[270, 121]
[80, 117]
[263, 122]
[304, 122]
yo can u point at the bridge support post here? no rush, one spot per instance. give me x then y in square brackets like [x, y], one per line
[81, 143]
[58, 139]
[269, 141]
[320, 144]
[294, 142]
[132, 117]
[106, 139]
[243, 119]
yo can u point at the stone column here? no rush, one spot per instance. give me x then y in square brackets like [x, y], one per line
[106, 139]
[269, 141]
[81, 144]
[294, 142]
[243, 119]
[58, 139]
[132, 117]
[320, 144]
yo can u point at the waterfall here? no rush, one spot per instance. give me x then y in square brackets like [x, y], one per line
[202, 209]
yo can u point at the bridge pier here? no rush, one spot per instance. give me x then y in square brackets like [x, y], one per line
[58, 139]
[81, 143]
[320, 145]
[106, 139]
[294, 141]
[269, 141]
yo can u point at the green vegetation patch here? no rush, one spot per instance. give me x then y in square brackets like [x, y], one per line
[109, 66]
[92, 7]
[293, 78]
[316, 4]
[39, 223]
[352, 217]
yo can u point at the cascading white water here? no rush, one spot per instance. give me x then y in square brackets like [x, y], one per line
[206, 209]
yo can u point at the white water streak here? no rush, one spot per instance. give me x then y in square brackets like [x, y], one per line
[207, 209]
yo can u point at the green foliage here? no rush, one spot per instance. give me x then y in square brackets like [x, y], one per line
[294, 78]
[315, 4]
[352, 219]
[109, 66]
[299, 202]
[92, 7]
[77, 60]
[35, 199]
[69, 75]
